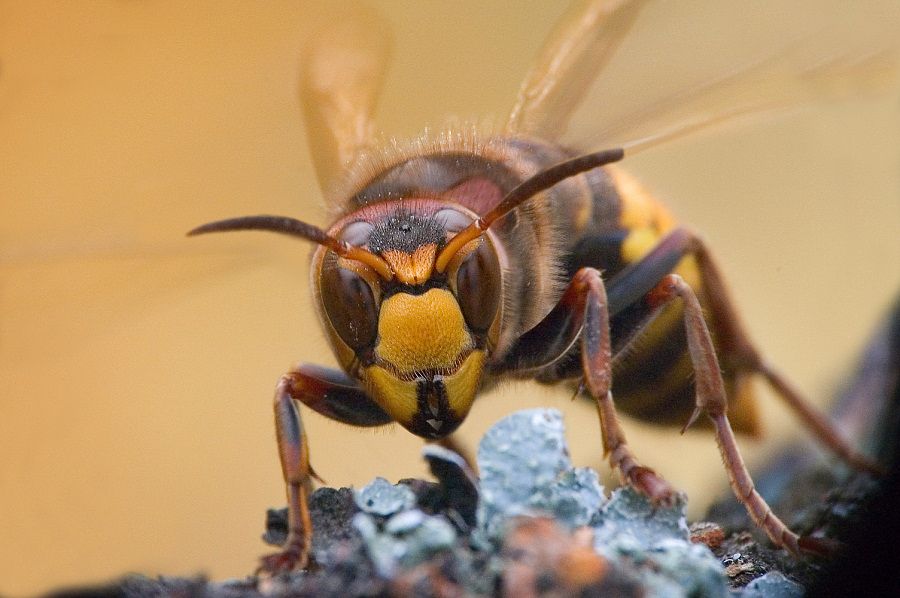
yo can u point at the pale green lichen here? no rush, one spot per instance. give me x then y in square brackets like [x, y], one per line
[525, 469]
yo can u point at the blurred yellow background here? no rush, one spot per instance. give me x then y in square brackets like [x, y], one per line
[136, 366]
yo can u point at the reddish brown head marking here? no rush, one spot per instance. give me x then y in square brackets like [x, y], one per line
[412, 268]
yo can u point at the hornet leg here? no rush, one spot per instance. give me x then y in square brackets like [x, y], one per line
[293, 451]
[739, 351]
[582, 315]
[335, 395]
[711, 399]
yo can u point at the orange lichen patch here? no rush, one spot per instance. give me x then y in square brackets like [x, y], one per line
[412, 268]
[581, 567]
[707, 533]
[428, 579]
[540, 553]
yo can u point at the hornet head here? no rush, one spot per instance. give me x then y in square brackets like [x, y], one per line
[410, 293]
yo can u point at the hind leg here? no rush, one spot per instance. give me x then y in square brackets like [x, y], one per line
[740, 353]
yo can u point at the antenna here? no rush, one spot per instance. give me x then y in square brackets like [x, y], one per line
[525, 190]
[296, 228]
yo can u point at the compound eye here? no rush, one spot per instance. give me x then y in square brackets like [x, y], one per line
[478, 287]
[350, 305]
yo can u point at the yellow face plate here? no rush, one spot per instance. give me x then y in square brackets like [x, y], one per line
[422, 332]
[400, 398]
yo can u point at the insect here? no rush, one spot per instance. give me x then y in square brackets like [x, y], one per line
[464, 258]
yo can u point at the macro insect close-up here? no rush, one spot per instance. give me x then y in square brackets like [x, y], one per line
[503, 246]
[461, 259]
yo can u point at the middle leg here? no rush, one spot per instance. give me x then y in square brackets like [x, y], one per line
[582, 317]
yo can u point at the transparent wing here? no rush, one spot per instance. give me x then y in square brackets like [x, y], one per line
[123, 127]
[635, 74]
[577, 50]
[343, 69]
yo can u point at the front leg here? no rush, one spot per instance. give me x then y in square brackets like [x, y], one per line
[335, 395]
[582, 315]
